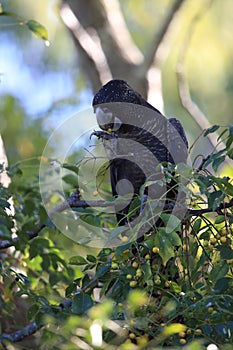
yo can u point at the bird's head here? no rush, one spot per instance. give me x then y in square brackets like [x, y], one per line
[106, 103]
[111, 104]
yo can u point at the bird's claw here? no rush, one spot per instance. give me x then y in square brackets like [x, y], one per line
[102, 135]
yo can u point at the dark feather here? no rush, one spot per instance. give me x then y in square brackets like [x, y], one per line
[141, 138]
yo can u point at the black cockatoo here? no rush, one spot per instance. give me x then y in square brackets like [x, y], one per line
[137, 137]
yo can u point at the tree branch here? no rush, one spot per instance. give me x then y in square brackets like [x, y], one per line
[183, 88]
[218, 210]
[160, 35]
[120, 33]
[156, 54]
[20, 334]
[75, 202]
[33, 327]
[89, 43]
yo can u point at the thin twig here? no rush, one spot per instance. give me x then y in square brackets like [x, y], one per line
[75, 202]
[20, 334]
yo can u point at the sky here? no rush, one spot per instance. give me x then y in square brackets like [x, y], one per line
[36, 90]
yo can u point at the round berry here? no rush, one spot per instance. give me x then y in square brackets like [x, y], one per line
[133, 284]
[223, 239]
[115, 266]
[135, 264]
[155, 250]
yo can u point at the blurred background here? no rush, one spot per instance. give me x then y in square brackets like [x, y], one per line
[178, 54]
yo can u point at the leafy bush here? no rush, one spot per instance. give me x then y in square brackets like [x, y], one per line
[173, 288]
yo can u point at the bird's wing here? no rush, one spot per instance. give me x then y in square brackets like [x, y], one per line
[177, 143]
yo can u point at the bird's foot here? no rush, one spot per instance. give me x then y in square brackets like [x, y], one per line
[104, 135]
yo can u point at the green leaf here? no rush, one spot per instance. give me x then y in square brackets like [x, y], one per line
[215, 198]
[81, 303]
[211, 130]
[166, 242]
[230, 153]
[172, 222]
[197, 225]
[220, 219]
[104, 252]
[218, 162]
[226, 252]
[4, 203]
[71, 167]
[77, 260]
[219, 271]
[103, 270]
[54, 278]
[221, 285]
[32, 311]
[175, 287]
[71, 289]
[37, 29]
[91, 258]
[71, 179]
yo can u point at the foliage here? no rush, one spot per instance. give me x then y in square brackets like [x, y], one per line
[35, 27]
[174, 288]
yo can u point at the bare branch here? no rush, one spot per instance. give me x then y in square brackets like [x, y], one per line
[160, 35]
[89, 42]
[4, 178]
[120, 32]
[157, 53]
[75, 202]
[219, 209]
[21, 334]
[183, 88]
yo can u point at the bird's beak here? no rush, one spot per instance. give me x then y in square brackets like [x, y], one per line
[104, 118]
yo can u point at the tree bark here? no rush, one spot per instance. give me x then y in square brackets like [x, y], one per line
[106, 49]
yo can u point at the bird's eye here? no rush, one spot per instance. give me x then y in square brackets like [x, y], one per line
[105, 109]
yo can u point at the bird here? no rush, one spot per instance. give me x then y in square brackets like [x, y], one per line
[137, 138]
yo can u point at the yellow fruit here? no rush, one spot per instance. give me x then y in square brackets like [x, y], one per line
[132, 336]
[147, 257]
[167, 284]
[155, 250]
[132, 323]
[115, 266]
[124, 239]
[182, 334]
[95, 193]
[182, 341]
[198, 331]
[129, 277]
[135, 264]
[142, 341]
[133, 284]
[157, 281]
[223, 233]
[223, 239]
[213, 240]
